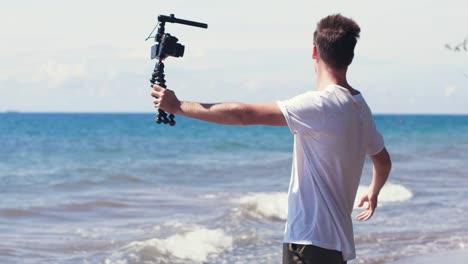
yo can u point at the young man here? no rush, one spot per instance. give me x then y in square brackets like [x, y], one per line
[333, 131]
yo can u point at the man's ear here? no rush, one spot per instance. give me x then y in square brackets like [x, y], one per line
[314, 53]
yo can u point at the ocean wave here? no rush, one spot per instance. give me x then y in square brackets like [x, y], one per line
[231, 145]
[92, 205]
[269, 205]
[197, 245]
[390, 193]
[274, 205]
[74, 184]
[15, 212]
[118, 179]
[124, 178]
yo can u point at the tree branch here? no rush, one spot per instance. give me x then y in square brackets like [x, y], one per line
[462, 46]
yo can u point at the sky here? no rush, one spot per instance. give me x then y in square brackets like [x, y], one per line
[90, 56]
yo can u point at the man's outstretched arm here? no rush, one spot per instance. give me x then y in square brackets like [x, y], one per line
[221, 113]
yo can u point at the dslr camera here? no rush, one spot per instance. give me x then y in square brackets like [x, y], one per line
[167, 46]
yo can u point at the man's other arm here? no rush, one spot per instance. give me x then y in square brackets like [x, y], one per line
[381, 171]
[220, 113]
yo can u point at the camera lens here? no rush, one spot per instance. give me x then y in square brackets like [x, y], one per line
[179, 50]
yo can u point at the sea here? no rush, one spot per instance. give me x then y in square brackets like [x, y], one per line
[118, 188]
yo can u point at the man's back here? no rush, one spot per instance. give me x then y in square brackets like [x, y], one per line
[333, 131]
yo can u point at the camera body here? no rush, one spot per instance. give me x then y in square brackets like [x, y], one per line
[166, 47]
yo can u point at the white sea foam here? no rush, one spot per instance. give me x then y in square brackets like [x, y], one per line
[196, 246]
[390, 193]
[274, 205]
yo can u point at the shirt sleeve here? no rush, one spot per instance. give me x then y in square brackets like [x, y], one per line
[376, 141]
[303, 113]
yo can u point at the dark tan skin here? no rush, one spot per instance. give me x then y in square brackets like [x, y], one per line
[241, 114]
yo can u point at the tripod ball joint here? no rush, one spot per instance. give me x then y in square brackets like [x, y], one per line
[171, 120]
[162, 118]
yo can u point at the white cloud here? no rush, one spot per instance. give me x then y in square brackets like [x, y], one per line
[450, 90]
[56, 74]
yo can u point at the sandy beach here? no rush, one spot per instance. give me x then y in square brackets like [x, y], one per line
[452, 257]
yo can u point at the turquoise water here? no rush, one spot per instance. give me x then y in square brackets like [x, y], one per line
[117, 188]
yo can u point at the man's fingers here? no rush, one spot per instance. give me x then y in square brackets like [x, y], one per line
[360, 216]
[156, 94]
[157, 87]
[369, 211]
[365, 215]
[165, 99]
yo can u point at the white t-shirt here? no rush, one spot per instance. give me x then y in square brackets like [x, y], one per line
[333, 132]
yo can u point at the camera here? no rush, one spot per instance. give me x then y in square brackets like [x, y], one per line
[167, 46]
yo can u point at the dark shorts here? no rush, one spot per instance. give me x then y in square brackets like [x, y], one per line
[310, 254]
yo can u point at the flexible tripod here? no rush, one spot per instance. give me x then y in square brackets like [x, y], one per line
[167, 46]
[158, 78]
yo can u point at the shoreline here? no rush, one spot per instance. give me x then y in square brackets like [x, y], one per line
[457, 256]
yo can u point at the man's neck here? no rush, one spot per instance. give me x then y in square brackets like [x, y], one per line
[327, 77]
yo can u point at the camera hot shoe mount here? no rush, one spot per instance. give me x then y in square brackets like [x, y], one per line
[166, 46]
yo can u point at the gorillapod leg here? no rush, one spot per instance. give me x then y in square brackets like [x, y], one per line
[158, 78]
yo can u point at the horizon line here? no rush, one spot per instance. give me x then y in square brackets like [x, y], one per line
[144, 113]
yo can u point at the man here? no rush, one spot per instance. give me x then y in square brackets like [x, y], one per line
[333, 131]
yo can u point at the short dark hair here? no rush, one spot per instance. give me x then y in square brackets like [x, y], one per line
[335, 39]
